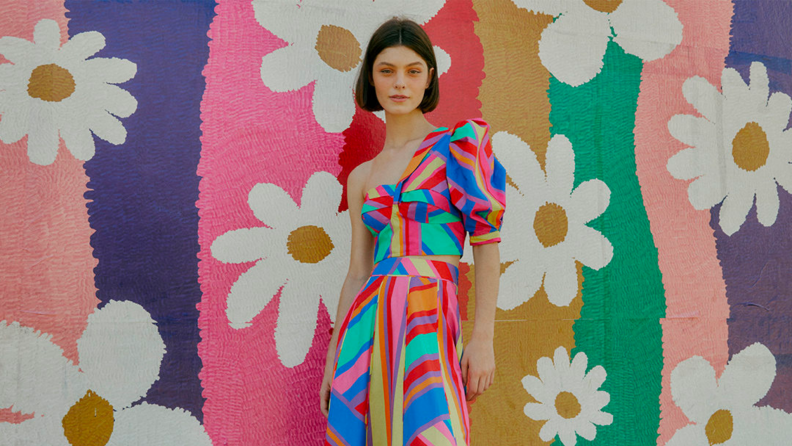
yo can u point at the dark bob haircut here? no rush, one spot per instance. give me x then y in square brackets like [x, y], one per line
[397, 31]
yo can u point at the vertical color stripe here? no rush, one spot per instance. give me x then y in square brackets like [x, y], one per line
[143, 193]
[619, 325]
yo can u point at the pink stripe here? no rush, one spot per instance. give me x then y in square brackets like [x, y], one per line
[343, 382]
[46, 259]
[695, 291]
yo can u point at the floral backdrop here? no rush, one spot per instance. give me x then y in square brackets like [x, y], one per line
[175, 234]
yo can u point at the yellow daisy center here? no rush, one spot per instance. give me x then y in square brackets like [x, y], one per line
[607, 6]
[51, 83]
[309, 244]
[750, 148]
[551, 224]
[567, 405]
[719, 427]
[89, 422]
[338, 47]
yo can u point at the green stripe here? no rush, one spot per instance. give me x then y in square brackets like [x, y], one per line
[420, 345]
[619, 325]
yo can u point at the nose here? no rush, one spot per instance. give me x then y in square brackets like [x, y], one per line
[400, 80]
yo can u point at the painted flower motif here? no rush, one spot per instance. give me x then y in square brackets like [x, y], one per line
[49, 89]
[724, 410]
[740, 148]
[573, 46]
[120, 355]
[326, 43]
[555, 234]
[568, 397]
[300, 254]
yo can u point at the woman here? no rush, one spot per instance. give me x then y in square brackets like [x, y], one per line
[396, 372]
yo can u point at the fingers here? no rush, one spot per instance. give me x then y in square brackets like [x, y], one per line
[464, 365]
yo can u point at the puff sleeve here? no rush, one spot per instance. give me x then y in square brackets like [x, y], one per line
[476, 181]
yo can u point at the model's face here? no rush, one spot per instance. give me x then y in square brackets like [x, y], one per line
[400, 77]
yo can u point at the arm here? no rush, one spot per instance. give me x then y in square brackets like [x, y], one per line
[361, 262]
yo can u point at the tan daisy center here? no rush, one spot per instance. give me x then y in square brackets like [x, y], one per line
[567, 405]
[750, 148]
[89, 422]
[51, 83]
[719, 427]
[309, 244]
[551, 224]
[338, 47]
[606, 6]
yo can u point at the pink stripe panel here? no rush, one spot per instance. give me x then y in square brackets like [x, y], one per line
[252, 135]
[696, 313]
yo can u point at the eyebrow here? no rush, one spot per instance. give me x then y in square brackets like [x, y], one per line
[390, 64]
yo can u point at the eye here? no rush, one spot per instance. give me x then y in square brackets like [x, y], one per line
[415, 71]
[386, 70]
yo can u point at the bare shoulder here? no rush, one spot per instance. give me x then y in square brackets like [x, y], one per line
[359, 175]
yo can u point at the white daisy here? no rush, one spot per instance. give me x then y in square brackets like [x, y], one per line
[120, 354]
[740, 148]
[49, 89]
[724, 410]
[548, 230]
[568, 397]
[302, 254]
[572, 47]
[327, 39]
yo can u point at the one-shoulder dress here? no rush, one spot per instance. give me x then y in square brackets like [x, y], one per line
[397, 376]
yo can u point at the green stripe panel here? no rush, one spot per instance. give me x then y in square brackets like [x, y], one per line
[619, 325]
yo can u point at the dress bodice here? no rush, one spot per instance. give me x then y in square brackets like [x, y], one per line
[453, 185]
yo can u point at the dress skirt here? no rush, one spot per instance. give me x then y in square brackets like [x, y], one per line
[397, 376]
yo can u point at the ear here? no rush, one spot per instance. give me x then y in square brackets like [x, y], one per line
[429, 81]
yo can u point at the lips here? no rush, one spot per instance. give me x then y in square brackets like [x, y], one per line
[398, 97]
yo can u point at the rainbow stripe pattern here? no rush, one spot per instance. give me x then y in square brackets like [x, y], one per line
[452, 186]
[397, 376]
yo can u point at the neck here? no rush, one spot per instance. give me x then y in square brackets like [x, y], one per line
[402, 129]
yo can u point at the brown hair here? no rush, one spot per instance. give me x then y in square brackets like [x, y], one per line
[397, 31]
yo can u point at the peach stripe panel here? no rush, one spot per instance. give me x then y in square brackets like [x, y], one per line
[695, 322]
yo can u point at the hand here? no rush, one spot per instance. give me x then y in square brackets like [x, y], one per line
[324, 391]
[478, 366]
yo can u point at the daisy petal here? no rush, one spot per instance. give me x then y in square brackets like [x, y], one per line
[704, 97]
[779, 107]
[110, 70]
[592, 248]
[16, 50]
[151, 424]
[285, 69]
[548, 375]
[561, 283]
[586, 430]
[572, 47]
[115, 100]
[120, 352]
[13, 126]
[519, 283]
[537, 389]
[280, 17]
[760, 83]
[735, 208]
[83, 45]
[767, 202]
[692, 131]
[35, 431]
[578, 366]
[684, 165]
[517, 158]
[748, 375]
[43, 144]
[734, 87]
[47, 34]
[693, 388]
[322, 192]
[272, 205]
[443, 60]
[79, 141]
[253, 291]
[109, 128]
[538, 412]
[560, 166]
[649, 29]
[601, 418]
[705, 192]
[589, 200]
[691, 435]
[567, 434]
[242, 245]
[296, 327]
[334, 102]
[594, 378]
[549, 430]
[34, 375]
[549, 7]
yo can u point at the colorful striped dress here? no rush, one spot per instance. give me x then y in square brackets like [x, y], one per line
[397, 376]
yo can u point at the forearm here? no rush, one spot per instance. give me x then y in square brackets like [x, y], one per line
[486, 258]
